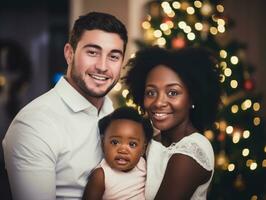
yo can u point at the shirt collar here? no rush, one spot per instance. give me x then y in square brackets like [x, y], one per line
[76, 101]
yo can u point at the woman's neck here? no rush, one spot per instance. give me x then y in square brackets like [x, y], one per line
[175, 135]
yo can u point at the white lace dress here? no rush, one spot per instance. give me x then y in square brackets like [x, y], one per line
[195, 145]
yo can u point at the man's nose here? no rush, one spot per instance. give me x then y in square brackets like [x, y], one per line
[101, 64]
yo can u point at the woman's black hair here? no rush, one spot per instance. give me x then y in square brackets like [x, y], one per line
[196, 67]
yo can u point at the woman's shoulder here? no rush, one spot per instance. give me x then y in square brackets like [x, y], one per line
[198, 147]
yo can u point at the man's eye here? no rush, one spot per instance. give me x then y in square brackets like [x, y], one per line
[133, 144]
[114, 142]
[114, 57]
[92, 53]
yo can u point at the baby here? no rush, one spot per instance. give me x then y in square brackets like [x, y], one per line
[122, 172]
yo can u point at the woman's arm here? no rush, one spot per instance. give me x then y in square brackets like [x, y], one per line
[95, 187]
[182, 177]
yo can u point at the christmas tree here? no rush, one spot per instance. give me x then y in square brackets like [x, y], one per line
[238, 137]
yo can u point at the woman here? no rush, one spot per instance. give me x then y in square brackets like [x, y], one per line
[180, 92]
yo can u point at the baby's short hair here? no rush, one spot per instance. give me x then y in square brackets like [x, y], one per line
[128, 113]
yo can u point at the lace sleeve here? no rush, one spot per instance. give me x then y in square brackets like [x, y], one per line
[194, 150]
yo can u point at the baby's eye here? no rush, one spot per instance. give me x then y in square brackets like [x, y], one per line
[114, 142]
[133, 144]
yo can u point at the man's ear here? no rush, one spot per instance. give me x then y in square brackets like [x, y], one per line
[68, 53]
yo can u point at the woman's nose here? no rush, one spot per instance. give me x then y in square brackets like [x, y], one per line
[160, 101]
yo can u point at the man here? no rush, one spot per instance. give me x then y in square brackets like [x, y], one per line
[53, 143]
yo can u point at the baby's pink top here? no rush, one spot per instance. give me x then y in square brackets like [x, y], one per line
[124, 185]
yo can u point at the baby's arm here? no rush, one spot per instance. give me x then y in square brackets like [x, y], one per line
[95, 187]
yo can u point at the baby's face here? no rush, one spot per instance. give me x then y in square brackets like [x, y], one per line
[123, 144]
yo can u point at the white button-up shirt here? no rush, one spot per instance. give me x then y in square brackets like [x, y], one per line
[53, 144]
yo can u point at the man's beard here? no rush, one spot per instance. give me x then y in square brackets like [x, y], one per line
[82, 85]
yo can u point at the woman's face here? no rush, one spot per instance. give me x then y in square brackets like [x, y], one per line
[166, 99]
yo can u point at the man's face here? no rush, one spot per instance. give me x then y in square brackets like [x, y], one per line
[94, 68]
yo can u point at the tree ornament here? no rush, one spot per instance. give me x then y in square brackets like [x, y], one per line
[178, 43]
[249, 84]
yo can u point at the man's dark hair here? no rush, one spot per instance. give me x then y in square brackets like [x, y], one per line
[100, 21]
[128, 113]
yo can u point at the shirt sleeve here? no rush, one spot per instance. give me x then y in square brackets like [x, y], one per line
[200, 150]
[29, 161]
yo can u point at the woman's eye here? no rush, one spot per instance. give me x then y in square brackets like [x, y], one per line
[150, 93]
[114, 142]
[133, 144]
[172, 93]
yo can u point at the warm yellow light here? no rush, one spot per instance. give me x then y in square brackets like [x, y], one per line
[233, 84]
[190, 10]
[167, 32]
[206, 9]
[234, 108]
[246, 104]
[125, 93]
[249, 162]
[227, 72]
[221, 22]
[165, 4]
[222, 77]
[170, 24]
[209, 134]
[229, 130]
[220, 8]
[223, 64]
[198, 26]
[253, 166]
[254, 197]
[176, 5]
[231, 167]
[264, 163]
[256, 106]
[161, 41]
[223, 53]
[234, 60]
[197, 4]
[146, 25]
[2, 80]
[191, 36]
[246, 134]
[187, 29]
[157, 33]
[236, 137]
[265, 148]
[223, 126]
[245, 152]
[221, 29]
[164, 27]
[118, 87]
[256, 121]
[182, 24]
[213, 30]
[171, 14]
